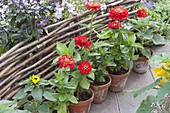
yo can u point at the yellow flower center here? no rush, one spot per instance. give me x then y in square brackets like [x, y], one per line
[35, 79]
[66, 60]
[119, 10]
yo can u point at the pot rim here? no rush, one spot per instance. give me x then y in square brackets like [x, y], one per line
[85, 101]
[125, 74]
[104, 85]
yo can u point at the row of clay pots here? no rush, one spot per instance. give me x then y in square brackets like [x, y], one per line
[116, 84]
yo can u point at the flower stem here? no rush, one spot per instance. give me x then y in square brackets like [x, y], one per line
[91, 25]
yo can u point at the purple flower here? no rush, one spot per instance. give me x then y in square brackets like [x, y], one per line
[37, 71]
[149, 5]
[58, 13]
[86, 1]
[40, 31]
[71, 9]
[43, 22]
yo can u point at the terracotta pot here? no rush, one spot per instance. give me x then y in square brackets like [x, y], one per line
[118, 82]
[141, 65]
[83, 106]
[100, 91]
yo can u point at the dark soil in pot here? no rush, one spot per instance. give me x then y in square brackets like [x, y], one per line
[100, 90]
[119, 80]
[83, 106]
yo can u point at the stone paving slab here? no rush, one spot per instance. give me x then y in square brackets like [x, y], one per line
[129, 104]
[110, 105]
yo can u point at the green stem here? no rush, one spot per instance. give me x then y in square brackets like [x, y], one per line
[91, 25]
[78, 91]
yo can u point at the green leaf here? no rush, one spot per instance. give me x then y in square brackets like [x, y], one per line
[85, 83]
[142, 90]
[137, 45]
[97, 25]
[6, 102]
[20, 94]
[94, 54]
[19, 17]
[72, 99]
[62, 49]
[91, 75]
[70, 85]
[102, 44]
[77, 57]
[29, 107]
[158, 39]
[49, 96]
[146, 52]
[85, 25]
[55, 60]
[162, 91]
[160, 58]
[145, 106]
[44, 108]
[133, 21]
[71, 48]
[37, 94]
[62, 97]
[4, 36]
[62, 108]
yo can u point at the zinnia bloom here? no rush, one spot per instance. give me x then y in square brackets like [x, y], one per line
[35, 79]
[95, 6]
[66, 61]
[85, 67]
[142, 13]
[118, 13]
[82, 41]
[114, 25]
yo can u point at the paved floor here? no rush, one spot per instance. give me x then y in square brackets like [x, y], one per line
[125, 103]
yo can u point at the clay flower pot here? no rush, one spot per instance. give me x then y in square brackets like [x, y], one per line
[83, 106]
[140, 66]
[118, 82]
[100, 91]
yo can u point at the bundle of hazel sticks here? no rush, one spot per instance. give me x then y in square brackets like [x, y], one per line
[27, 57]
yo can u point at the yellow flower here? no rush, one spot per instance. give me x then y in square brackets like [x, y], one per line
[35, 79]
[163, 81]
[160, 71]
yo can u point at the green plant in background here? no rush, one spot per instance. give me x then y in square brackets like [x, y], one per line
[31, 96]
[147, 31]
[99, 57]
[162, 7]
[7, 106]
[160, 102]
[123, 49]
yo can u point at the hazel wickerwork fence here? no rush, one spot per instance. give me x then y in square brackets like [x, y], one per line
[27, 57]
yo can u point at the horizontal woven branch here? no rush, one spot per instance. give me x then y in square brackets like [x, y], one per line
[27, 57]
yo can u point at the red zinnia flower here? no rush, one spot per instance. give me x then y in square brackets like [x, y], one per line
[85, 67]
[114, 25]
[66, 61]
[142, 13]
[82, 41]
[93, 5]
[118, 13]
[88, 44]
